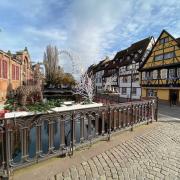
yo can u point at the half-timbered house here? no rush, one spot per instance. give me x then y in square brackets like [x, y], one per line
[160, 72]
[129, 61]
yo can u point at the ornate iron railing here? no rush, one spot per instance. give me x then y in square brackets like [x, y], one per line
[27, 140]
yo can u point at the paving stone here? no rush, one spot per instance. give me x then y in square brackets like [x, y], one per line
[153, 155]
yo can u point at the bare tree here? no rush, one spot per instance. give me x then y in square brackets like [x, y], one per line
[85, 87]
[51, 61]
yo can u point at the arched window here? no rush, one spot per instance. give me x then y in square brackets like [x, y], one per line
[5, 69]
[0, 67]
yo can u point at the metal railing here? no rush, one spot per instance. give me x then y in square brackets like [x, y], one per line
[30, 139]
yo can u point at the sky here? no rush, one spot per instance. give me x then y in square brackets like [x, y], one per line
[89, 29]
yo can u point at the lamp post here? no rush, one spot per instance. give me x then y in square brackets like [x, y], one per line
[133, 67]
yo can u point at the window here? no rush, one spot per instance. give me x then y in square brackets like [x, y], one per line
[124, 90]
[128, 57]
[169, 55]
[17, 73]
[135, 78]
[136, 56]
[128, 67]
[134, 91]
[124, 79]
[4, 68]
[178, 72]
[163, 73]
[140, 51]
[163, 40]
[149, 75]
[13, 72]
[151, 92]
[158, 57]
[171, 73]
[155, 74]
[0, 68]
[164, 56]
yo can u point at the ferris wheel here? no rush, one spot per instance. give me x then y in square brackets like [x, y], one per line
[75, 60]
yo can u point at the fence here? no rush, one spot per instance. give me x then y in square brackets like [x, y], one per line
[30, 139]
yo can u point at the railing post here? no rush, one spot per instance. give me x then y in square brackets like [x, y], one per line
[82, 128]
[115, 119]
[8, 149]
[62, 133]
[89, 127]
[119, 118]
[96, 124]
[136, 116]
[24, 143]
[3, 140]
[139, 113]
[50, 136]
[157, 108]
[132, 116]
[147, 112]
[72, 133]
[38, 140]
[123, 117]
[128, 116]
[109, 124]
[102, 132]
[142, 112]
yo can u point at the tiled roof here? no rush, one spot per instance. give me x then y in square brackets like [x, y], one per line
[135, 51]
[178, 40]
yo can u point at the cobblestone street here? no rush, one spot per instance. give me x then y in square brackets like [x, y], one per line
[154, 153]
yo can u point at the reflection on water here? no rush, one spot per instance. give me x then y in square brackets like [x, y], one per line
[45, 130]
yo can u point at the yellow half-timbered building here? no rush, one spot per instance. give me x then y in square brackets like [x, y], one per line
[160, 72]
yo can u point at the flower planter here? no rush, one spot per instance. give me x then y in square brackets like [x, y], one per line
[3, 112]
[56, 109]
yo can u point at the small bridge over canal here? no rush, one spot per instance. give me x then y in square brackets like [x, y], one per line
[40, 138]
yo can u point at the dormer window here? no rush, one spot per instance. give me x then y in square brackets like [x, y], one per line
[136, 56]
[140, 51]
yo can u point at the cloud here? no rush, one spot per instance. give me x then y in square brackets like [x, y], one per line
[90, 28]
[49, 33]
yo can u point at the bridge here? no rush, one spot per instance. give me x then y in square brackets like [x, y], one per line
[148, 152]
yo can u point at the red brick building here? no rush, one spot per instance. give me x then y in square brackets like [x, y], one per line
[15, 70]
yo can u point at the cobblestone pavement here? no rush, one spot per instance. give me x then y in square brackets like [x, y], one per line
[154, 155]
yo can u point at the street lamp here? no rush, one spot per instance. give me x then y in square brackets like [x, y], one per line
[133, 67]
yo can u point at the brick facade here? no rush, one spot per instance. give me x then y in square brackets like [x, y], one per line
[15, 70]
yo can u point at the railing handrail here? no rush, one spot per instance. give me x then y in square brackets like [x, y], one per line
[101, 121]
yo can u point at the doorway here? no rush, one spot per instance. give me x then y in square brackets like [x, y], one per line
[173, 96]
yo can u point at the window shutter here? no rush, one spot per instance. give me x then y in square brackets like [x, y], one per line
[143, 75]
[163, 73]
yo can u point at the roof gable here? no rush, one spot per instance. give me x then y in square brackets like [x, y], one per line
[159, 46]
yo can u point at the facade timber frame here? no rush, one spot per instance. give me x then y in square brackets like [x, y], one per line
[160, 72]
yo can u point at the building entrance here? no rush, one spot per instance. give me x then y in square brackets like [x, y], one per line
[173, 96]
